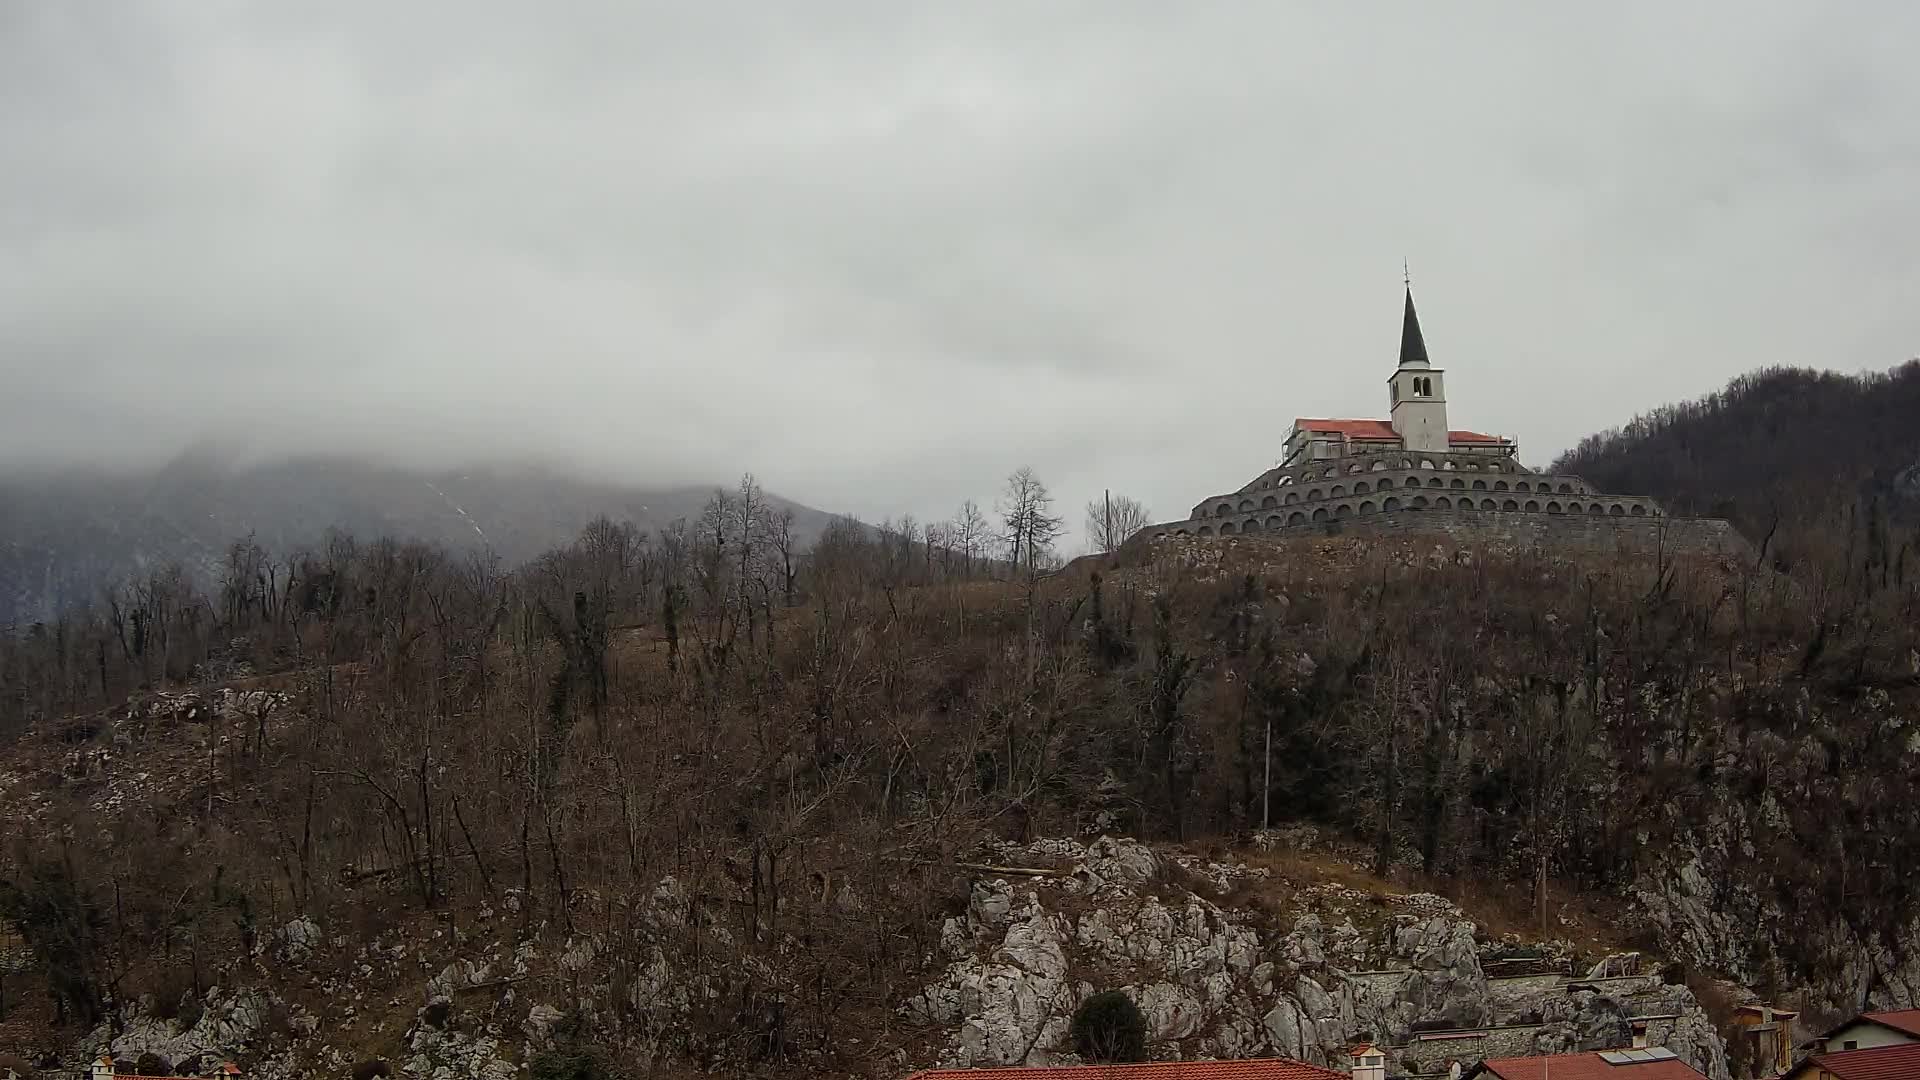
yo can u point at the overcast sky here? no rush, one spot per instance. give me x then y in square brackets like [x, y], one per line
[881, 253]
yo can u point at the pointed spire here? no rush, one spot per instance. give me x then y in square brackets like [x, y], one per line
[1413, 347]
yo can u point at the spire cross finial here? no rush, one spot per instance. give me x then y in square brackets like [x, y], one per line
[1406, 273]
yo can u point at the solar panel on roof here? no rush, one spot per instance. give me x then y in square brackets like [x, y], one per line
[1637, 1056]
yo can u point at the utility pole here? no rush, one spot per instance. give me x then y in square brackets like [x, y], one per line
[1541, 887]
[1266, 779]
[1106, 533]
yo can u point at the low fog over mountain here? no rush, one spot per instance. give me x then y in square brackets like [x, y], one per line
[65, 535]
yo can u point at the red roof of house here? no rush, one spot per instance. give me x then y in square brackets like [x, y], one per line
[1900, 1062]
[1382, 430]
[1907, 1020]
[1248, 1069]
[1589, 1066]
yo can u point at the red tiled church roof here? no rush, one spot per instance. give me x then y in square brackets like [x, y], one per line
[1589, 1066]
[1900, 1062]
[1352, 429]
[1251, 1069]
[1382, 430]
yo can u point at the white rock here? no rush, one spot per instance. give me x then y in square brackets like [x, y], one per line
[1171, 1012]
[539, 1023]
[296, 942]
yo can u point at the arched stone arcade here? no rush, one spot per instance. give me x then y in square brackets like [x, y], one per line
[1373, 483]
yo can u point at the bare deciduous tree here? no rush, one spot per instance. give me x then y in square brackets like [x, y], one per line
[1028, 525]
[785, 552]
[1112, 519]
[970, 533]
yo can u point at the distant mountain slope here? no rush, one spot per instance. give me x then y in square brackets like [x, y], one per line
[1813, 447]
[63, 536]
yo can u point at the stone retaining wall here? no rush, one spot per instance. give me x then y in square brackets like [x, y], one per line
[1578, 532]
[1427, 1055]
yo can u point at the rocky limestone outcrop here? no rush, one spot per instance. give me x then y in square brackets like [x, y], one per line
[1301, 980]
[1006, 990]
[454, 1055]
[296, 942]
[1717, 892]
[229, 1022]
[1216, 983]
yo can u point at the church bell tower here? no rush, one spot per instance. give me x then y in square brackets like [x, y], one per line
[1418, 391]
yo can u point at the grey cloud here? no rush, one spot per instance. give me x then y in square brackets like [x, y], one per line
[882, 253]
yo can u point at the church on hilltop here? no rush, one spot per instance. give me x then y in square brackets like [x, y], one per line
[1417, 395]
[1415, 472]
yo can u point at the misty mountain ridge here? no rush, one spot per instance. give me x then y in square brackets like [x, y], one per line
[67, 533]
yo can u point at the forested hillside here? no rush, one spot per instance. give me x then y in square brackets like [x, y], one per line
[1805, 457]
[689, 798]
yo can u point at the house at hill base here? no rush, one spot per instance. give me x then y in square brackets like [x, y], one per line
[1370, 1065]
[1898, 1061]
[1415, 472]
[1894, 1027]
[1881, 1045]
[1769, 1035]
[104, 1068]
[1646, 1063]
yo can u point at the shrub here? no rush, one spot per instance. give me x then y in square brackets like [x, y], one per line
[566, 1065]
[571, 1027]
[1108, 1027]
[371, 1069]
[152, 1064]
[190, 1010]
[170, 988]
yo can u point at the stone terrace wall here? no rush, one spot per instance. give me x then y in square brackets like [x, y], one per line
[1605, 1018]
[1577, 532]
